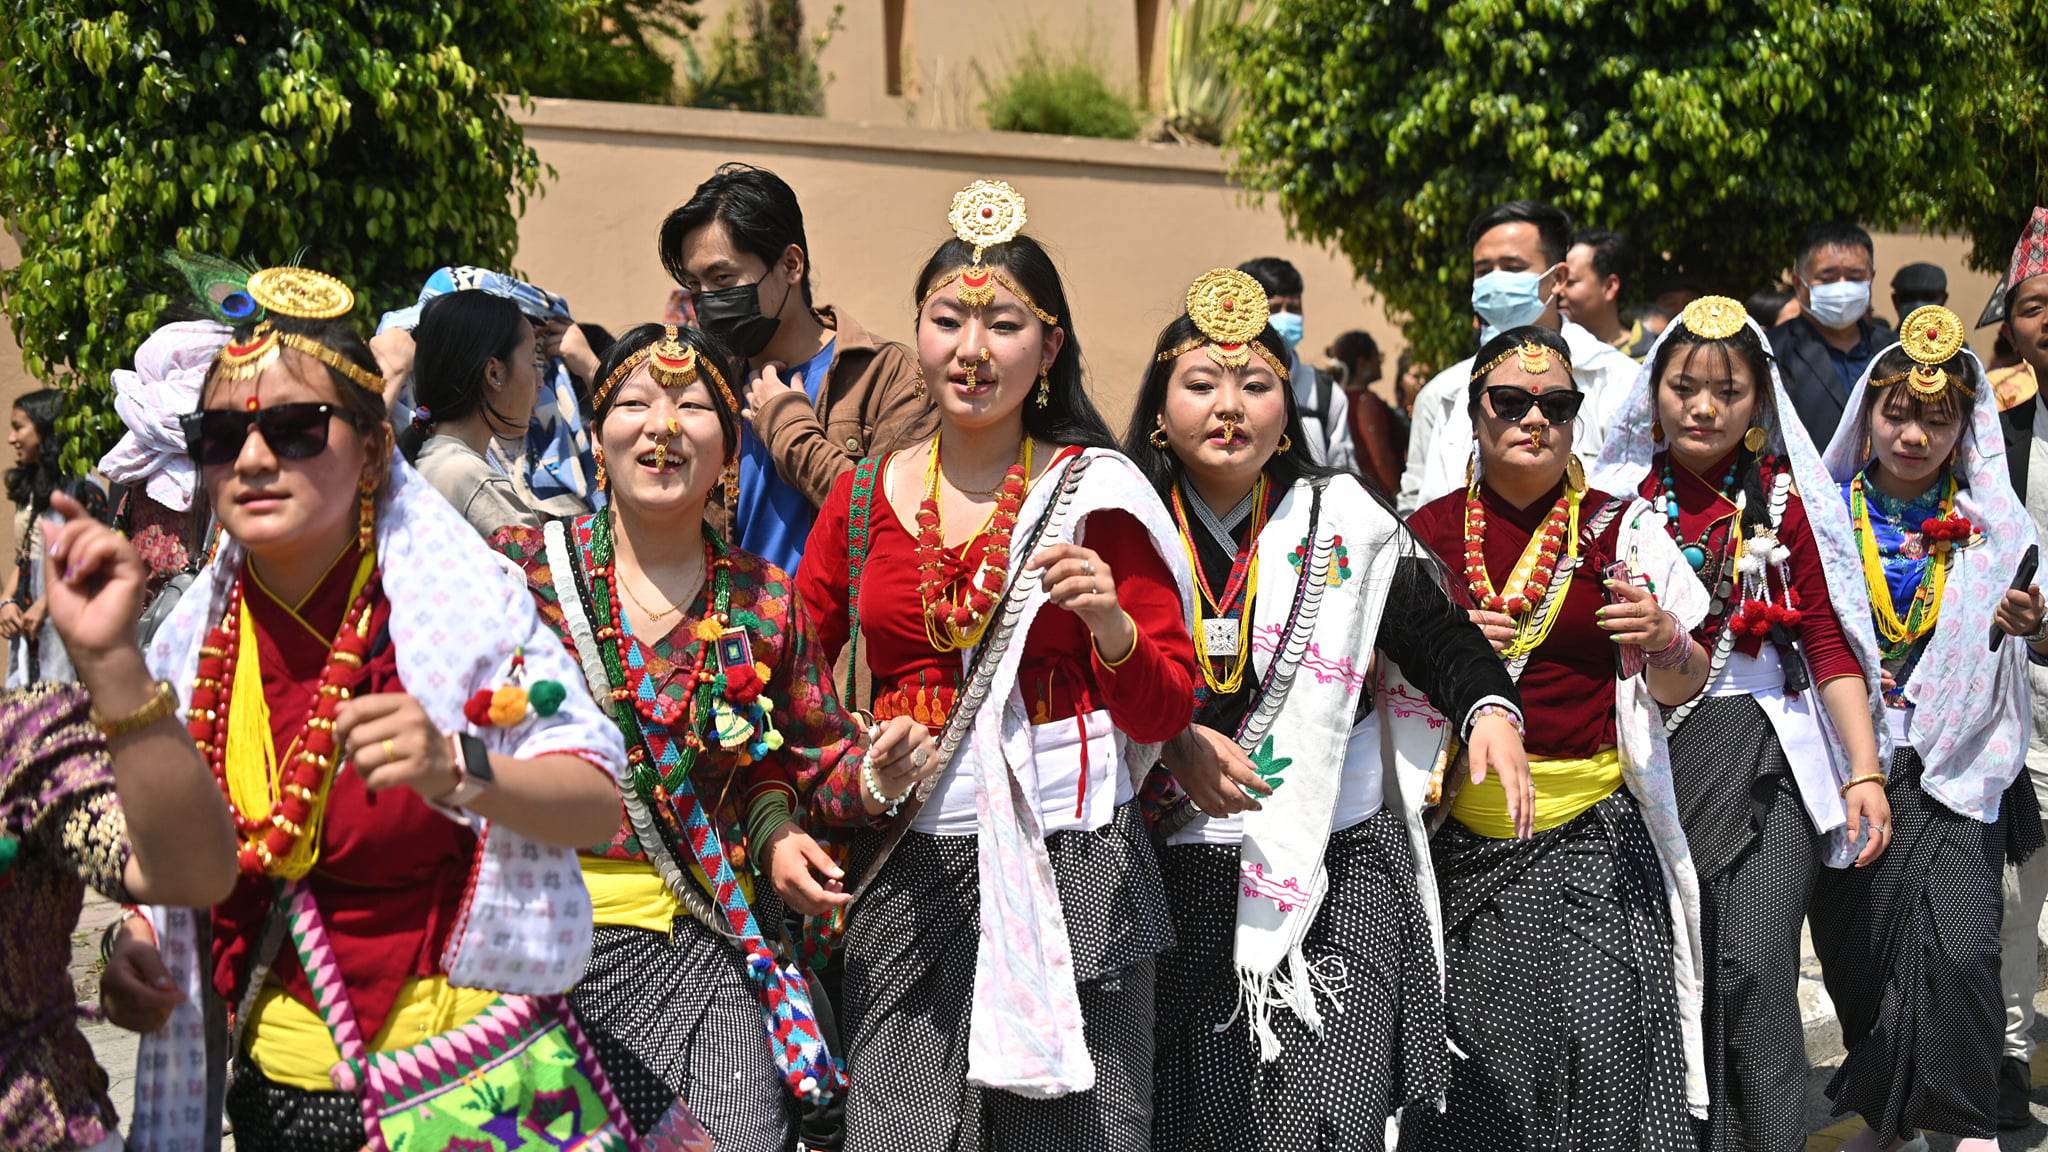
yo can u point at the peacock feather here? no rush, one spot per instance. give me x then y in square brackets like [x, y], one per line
[221, 286]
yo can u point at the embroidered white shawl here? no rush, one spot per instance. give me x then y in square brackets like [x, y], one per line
[458, 610]
[1971, 708]
[1026, 1031]
[1625, 460]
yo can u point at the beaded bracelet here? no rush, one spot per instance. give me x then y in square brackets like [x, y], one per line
[1674, 653]
[1484, 710]
[868, 781]
[2038, 634]
[1866, 778]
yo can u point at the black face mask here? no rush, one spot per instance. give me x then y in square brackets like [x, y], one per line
[733, 316]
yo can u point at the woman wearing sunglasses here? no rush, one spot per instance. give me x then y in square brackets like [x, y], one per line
[1304, 771]
[356, 666]
[732, 728]
[1909, 947]
[1571, 939]
[1776, 765]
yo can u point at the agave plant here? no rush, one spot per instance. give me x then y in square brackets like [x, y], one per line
[1200, 99]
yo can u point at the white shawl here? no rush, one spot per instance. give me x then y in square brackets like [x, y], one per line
[1971, 707]
[458, 610]
[1026, 1032]
[1625, 460]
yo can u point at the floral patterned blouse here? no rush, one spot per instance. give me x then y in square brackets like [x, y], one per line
[61, 824]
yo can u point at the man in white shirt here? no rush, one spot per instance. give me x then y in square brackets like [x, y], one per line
[1325, 410]
[1518, 254]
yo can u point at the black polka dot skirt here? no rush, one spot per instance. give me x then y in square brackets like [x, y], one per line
[674, 1018]
[908, 982]
[1757, 856]
[1382, 1041]
[1909, 952]
[272, 1117]
[1559, 993]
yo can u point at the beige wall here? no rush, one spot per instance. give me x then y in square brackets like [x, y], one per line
[1130, 224]
[945, 47]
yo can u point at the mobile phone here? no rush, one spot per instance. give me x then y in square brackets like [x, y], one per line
[1632, 658]
[2020, 580]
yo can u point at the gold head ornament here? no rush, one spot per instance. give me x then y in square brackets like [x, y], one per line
[1532, 358]
[1714, 317]
[302, 294]
[984, 214]
[1931, 336]
[1228, 308]
[671, 363]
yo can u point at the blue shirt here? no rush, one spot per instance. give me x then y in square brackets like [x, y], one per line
[1849, 365]
[773, 518]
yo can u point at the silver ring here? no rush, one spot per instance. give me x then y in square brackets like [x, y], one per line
[1094, 589]
[1087, 567]
[918, 758]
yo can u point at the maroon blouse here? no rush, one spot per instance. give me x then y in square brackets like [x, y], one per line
[1568, 685]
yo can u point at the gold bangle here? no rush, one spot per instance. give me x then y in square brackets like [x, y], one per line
[1866, 778]
[1120, 661]
[160, 706]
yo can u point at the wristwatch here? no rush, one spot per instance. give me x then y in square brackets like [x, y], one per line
[472, 771]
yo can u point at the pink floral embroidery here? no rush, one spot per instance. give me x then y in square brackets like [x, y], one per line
[1285, 893]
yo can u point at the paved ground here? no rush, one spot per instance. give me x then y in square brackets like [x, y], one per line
[116, 1049]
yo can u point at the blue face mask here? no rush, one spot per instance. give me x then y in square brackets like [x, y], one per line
[1507, 300]
[1289, 326]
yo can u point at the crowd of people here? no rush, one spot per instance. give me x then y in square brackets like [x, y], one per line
[746, 732]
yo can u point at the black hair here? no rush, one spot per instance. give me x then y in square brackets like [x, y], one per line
[1612, 254]
[89, 496]
[1276, 276]
[1506, 343]
[758, 209]
[1068, 417]
[1353, 346]
[458, 337]
[1746, 346]
[1765, 304]
[1831, 234]
[29, 485]
[363, 407]
[711, 357]
[1553, 227]
[1901, 403]
[597, 336]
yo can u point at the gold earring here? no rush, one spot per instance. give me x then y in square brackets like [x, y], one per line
[1657, 430]
[1159, 438]
[1754, 438]
[603, 481]
[730, 479]
[1574, 474]
[366, 516]
[1044, 386]
[1286, 444]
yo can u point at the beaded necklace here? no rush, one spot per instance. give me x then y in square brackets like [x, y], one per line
[954, 621]
[1530, 578]
[1695, 551]
[1945, 531]
[299, 783]
[1224, 636]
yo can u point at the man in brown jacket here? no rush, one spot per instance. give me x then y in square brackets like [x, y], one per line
[821, 391]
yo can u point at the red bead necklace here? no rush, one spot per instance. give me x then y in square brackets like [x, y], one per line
[954, 621]
[1537, 564]
[307, 767]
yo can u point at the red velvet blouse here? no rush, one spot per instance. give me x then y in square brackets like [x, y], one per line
[1704, 512]
[1568, 685]
[391, 873]
[1150, 695]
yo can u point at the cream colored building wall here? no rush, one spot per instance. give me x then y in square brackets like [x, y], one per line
[948, 47]
[1130, 224]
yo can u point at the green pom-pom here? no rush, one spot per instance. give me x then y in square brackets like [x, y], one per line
[546, 696]
[9, 849]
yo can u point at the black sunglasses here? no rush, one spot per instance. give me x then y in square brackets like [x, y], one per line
[1511, 403]
[214, 436]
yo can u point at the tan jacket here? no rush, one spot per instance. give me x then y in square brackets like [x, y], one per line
[872, 402]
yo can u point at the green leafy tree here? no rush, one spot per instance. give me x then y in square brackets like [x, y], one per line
[1997, 146]
[761, 60]
[367, 139]
[1712, 131]
[623, 53]
[1063, 95]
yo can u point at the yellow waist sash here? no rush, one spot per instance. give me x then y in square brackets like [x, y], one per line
[628, 894]
[290, 1044]
[1564, 789]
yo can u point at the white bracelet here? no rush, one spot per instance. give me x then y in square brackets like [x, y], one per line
[868, 781]
[2040, 633]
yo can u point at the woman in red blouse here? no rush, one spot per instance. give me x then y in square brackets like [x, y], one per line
[1566, 974]
[1763, 780]
[998, 970]
[329, 695]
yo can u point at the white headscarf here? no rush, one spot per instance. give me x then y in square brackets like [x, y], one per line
[1625, 460]
[1971, 707]
[169, 369]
